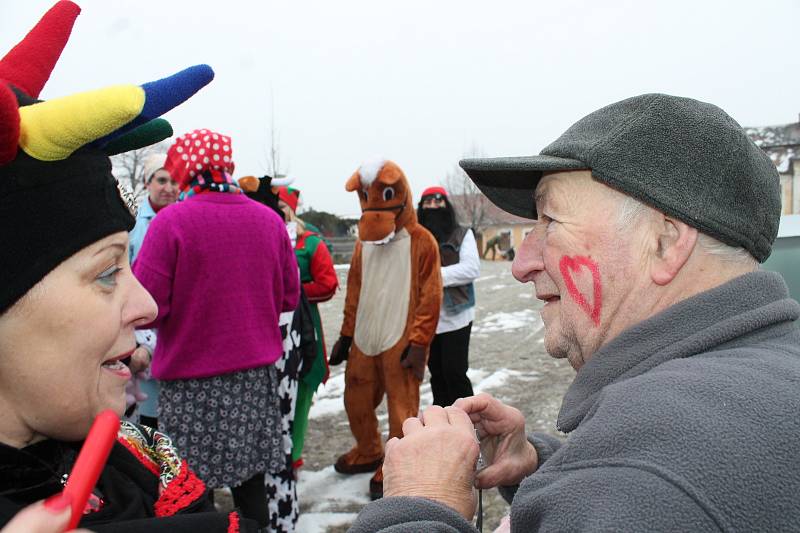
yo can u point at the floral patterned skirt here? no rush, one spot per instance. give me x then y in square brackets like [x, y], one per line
[227, 427]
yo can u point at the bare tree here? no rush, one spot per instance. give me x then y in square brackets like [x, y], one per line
[471, 204]
[273, 150]
[129, 166]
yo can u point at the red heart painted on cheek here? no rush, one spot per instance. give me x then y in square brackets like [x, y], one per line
[568, 265]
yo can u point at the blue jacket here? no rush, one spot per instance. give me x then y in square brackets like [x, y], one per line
[144, 215]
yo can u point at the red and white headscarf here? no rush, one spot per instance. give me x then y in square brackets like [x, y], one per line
[202, 160]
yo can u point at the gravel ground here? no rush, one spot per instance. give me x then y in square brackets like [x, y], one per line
[507, 334]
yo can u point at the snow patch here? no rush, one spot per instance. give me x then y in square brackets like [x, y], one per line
[329, 490]
[320, 522]
[329, 400]
[499, 378]
[527, 318]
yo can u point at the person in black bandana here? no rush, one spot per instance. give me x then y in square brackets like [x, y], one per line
[69, 303]
[449, 357]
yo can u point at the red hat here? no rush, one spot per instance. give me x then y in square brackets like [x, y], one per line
[290, 196]
[199, 151]
[433, 191]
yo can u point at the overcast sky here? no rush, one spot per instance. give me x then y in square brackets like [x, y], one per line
[423, 83]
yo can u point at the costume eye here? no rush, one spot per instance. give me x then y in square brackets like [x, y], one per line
[366, 197]
[388, 194]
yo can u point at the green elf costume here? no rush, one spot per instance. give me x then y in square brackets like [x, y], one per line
[319, 283]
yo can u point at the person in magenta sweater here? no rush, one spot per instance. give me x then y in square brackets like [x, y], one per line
[221, 269]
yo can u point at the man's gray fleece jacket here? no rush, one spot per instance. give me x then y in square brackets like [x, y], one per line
[688, 421]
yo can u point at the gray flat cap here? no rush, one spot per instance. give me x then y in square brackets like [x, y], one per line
[686, 158]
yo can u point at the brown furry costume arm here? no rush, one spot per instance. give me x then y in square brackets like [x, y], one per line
[427, 281]
[353, 291]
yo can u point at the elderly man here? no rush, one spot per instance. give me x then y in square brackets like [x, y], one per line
[652, 215]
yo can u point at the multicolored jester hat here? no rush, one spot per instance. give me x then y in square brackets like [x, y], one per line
[57, 193]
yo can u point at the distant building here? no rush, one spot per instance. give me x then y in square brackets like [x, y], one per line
[489, 221]
[782, 145]
[511, 229]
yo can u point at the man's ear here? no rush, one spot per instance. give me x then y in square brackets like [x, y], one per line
[675, 243]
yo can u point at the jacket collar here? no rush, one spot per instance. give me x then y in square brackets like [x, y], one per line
[145, 210]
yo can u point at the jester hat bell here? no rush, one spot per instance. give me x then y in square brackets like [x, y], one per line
[57, 193]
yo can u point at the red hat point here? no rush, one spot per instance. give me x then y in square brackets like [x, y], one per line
[290, 196]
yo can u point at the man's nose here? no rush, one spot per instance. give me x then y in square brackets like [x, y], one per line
[528, 260]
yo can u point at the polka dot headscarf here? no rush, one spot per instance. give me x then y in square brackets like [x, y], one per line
[201, 160]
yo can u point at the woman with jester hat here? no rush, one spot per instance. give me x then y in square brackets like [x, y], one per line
[319, 284]
[69, 304]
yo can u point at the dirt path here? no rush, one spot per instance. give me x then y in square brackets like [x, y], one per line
[507, 359]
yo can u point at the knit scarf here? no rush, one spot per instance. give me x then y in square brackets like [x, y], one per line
[209, 181]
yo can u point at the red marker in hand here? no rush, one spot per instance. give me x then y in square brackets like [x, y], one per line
[91, 459]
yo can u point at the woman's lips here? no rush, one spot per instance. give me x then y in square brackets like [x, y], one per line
[126, 355]
[118, 367]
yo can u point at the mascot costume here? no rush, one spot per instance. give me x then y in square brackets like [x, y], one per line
[394, 292]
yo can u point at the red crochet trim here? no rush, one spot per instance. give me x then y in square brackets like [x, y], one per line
[146, 461]
[297, 464]
[233, 522]
[181, 492]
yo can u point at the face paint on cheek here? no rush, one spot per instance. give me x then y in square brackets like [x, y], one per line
[569, 265]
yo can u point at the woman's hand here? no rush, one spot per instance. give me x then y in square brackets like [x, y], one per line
[48, 516]
[140, 359]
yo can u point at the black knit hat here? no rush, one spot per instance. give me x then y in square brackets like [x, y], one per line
[686, 158]
[57, 193]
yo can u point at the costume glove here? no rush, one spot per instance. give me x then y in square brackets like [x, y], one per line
[340, 351]
[414, 358]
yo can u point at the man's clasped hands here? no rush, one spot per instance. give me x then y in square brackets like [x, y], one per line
[438, 454]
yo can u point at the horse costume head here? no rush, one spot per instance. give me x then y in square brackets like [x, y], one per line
[385, 198]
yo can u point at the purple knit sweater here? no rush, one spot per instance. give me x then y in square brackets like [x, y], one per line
[221, 269]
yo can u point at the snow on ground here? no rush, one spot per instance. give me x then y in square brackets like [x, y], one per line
[329, 400]
[320, 522]
[505, 321]
[329, 490]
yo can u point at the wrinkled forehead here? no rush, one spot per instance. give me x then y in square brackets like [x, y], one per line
[552, 187]
[558, 189]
